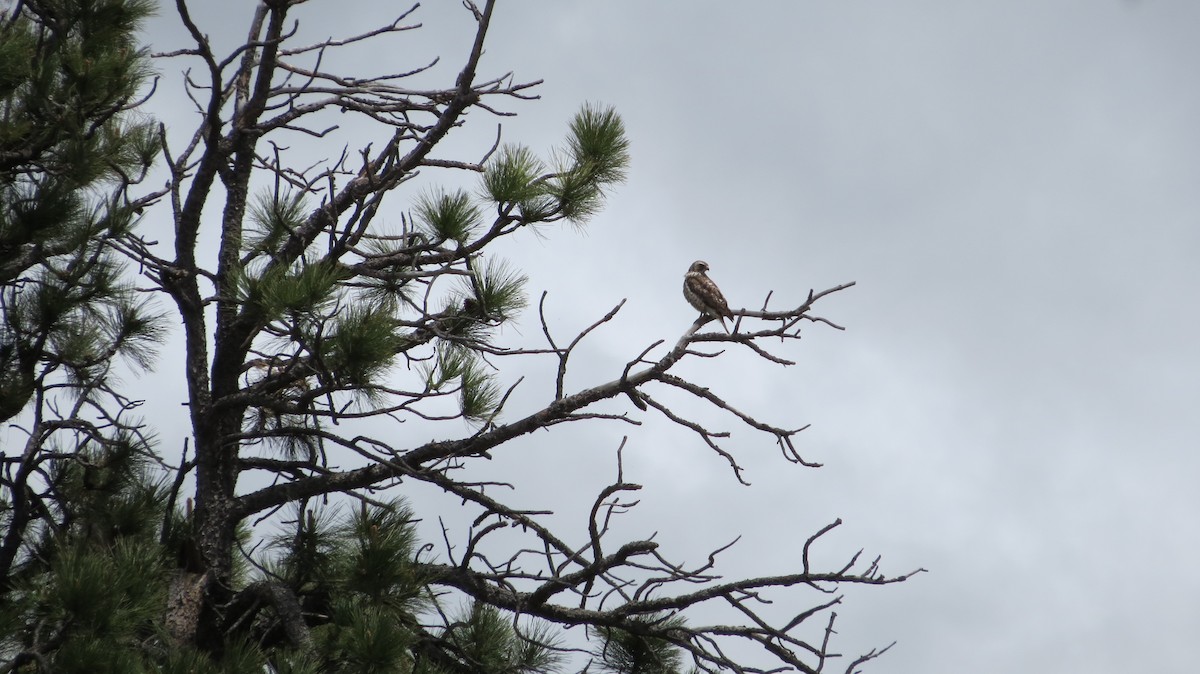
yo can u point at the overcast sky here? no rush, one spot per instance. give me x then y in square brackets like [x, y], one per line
[1014, 186]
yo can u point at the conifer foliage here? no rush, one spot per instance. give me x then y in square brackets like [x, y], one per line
[321, 307]
[79, 509]
[70, 150]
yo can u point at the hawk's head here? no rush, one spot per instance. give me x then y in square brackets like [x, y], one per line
[699, 265]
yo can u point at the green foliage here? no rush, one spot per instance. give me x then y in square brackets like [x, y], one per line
[499, 290]
[596, 156]
[240, 657]
[626, 652]
[478, 393]
[364, 559]
[487, 641]
[389, 290]
[448, 215]
[66, 76]
[272, 217]
[307, 554]
[492, 294]
[136, 329]
[294, 663]
[374, 560]
[513, 176]
[359, 572]
[110, 493]
[133, 140]
[129, 576]
[361, 343]
[598, 146]
[392, 252]
[188, 661]
[96, 655]
[367, 639]
[69, 151]
[479, 396]
[99, 577]
[98, 591]
[306, 288]
[18, 52]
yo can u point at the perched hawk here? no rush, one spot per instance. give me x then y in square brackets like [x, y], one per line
[702, 293]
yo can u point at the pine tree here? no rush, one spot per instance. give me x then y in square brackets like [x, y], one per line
[78, 506]
[339, 302]
[69, 152]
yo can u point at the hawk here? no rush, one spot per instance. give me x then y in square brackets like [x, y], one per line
[702, 293]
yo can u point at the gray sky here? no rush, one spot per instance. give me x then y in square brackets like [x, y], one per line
[1013, 185]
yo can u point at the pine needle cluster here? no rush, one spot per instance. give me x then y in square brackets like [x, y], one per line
[595, 157]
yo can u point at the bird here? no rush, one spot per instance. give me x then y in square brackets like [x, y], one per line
[700, 291]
